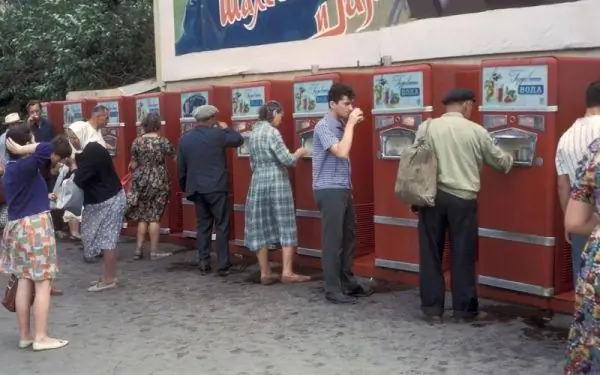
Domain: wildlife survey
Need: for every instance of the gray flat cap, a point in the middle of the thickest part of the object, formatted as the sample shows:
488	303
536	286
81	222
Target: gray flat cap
204	112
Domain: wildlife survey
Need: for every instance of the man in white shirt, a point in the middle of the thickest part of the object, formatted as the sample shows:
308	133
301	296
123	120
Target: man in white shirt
572	147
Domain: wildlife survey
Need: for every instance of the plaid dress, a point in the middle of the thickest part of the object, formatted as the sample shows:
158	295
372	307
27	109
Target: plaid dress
270	217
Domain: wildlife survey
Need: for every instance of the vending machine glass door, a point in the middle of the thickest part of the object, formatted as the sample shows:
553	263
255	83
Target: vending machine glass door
306	140
244	128
519	143
394	141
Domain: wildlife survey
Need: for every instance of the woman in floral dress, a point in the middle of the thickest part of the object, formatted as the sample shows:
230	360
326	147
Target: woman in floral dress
270	216
150	185
581	217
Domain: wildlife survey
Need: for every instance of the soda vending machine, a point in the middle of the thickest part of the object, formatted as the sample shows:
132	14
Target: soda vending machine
71	111
167	105
220	97
311	105
527	104
403	99
120	130
246	100
52	112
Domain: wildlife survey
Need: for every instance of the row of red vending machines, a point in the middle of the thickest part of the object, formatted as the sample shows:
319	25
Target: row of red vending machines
525	104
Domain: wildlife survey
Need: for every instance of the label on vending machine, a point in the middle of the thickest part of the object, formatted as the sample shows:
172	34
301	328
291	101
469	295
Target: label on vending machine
311	97
191	101
515	86
113	112
398	90
246	101
72	112
144	106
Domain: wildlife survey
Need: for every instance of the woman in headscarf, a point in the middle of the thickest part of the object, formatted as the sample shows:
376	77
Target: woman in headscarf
103	201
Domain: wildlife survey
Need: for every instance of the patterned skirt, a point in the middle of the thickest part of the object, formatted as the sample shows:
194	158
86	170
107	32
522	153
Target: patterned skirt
101	225
29	248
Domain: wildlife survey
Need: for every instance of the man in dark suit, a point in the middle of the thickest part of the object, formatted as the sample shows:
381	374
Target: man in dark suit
203	176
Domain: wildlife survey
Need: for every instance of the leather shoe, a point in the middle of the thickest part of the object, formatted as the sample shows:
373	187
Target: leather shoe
340	298
204	267
360	291
230	269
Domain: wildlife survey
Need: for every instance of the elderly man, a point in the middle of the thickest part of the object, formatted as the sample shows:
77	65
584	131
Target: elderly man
203	176
10	120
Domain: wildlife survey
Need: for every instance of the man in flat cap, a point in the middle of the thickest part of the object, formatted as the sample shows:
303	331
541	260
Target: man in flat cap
461	147
203	176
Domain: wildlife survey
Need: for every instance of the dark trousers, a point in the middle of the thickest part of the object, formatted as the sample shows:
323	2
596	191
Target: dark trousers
459	216
212	210
338	222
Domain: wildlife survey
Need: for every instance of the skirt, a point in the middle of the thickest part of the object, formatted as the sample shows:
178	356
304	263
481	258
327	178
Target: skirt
101	225
29	248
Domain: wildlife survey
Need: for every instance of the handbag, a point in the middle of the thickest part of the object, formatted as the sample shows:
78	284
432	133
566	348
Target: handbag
10	294
70	197
416	181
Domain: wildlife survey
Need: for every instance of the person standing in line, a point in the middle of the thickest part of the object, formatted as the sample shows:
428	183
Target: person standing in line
332	189
461	147
270	215
10	121
203	176
572	147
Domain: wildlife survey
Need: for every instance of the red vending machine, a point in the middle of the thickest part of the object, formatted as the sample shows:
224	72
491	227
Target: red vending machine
120	131
527	104
72	111
246	100
220	97
52	111
167	105
404	98
311	104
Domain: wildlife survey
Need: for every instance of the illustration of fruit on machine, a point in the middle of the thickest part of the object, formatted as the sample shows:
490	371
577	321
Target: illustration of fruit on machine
303	101
384	94
496	90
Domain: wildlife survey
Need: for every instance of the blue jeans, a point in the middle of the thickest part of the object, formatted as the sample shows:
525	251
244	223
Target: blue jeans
578	242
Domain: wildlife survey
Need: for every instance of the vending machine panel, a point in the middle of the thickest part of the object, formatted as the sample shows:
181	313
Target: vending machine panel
519	143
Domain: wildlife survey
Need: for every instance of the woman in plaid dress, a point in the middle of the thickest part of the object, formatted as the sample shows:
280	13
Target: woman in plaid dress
270	215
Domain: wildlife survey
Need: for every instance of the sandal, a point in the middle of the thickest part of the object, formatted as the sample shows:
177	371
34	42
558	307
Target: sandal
138	255
270	279
294	278
92	283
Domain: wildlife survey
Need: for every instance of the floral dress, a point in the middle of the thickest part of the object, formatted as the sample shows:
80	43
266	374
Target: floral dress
583	349
150	184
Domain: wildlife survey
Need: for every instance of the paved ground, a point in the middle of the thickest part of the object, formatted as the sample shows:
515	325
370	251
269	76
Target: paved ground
166	319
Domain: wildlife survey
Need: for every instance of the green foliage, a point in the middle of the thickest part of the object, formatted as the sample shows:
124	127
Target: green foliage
50	47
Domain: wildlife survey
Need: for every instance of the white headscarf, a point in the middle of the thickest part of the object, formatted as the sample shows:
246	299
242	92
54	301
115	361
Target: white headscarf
86	134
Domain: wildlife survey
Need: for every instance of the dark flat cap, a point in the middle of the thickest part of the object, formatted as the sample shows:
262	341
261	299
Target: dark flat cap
458	96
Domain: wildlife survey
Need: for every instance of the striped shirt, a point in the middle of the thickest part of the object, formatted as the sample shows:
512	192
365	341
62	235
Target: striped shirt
573	145
329	171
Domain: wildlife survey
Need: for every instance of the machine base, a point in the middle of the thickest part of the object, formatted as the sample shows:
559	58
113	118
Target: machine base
192	234
165	231
315	253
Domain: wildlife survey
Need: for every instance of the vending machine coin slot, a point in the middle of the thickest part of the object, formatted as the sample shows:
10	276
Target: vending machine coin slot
519	143
394	141
306	140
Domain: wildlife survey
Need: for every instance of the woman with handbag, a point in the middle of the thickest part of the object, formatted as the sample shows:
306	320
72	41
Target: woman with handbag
28	243
103	202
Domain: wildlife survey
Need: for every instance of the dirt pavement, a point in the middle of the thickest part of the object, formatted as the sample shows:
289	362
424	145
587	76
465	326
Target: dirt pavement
166	319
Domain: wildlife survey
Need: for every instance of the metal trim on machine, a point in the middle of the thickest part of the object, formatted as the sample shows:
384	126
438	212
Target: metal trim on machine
395	265
483	232
165	231
393	111
308	213
501	108
308	115
535	290
244	118
188	234
239	207
186	202
309	252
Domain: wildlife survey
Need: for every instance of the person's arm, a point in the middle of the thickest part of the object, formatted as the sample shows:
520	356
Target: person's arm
493	155
580	216
281	152
563	182
168	148
181	169
38	152
232	138
340	148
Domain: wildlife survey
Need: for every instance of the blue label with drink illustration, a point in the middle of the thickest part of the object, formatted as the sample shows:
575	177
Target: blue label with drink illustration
515	86
144	106
398	90
113	112
311	97
72	112
247	101
191	101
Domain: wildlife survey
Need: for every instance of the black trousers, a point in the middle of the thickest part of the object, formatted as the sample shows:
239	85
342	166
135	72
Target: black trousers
338	223
459	216
212	210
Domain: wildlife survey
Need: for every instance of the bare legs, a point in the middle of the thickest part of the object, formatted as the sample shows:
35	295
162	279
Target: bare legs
41	308
153	230
267	276
109	266
74	229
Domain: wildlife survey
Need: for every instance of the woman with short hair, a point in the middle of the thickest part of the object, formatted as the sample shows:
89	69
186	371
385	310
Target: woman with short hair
269	215
150	184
